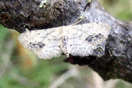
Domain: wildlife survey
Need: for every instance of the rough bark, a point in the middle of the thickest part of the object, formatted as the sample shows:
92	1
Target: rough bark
114	62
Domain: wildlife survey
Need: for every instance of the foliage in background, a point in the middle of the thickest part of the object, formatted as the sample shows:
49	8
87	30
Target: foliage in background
120	9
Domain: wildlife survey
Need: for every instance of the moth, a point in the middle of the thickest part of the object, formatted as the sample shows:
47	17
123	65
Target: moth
75	40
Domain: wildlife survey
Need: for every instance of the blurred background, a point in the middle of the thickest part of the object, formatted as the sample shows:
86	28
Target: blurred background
20	68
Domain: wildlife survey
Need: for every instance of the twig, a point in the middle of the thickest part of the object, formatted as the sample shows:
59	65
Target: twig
72	72
6	57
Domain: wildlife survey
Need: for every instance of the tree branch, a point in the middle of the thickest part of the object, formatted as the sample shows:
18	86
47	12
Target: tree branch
114	62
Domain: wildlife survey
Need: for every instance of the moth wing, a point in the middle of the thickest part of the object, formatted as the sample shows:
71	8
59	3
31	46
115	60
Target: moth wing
83	39
44	43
